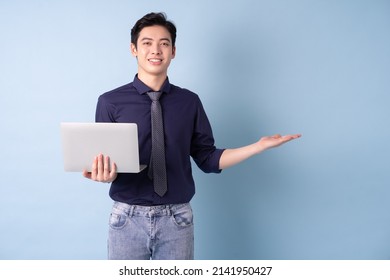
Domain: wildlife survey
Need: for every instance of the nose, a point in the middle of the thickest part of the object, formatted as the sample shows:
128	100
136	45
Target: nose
156	49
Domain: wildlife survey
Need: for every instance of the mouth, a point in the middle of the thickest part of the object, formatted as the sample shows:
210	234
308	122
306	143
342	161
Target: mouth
155	60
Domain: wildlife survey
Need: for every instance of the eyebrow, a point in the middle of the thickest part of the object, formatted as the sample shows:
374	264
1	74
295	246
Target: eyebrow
162	39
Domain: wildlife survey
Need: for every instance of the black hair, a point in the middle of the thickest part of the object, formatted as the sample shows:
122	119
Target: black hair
152	19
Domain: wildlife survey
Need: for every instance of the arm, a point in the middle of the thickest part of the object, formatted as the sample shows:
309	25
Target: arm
232	157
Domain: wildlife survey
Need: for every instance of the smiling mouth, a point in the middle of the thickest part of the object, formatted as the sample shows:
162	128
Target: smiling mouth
154	60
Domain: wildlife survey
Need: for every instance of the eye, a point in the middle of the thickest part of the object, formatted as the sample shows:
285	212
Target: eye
165	44
146	43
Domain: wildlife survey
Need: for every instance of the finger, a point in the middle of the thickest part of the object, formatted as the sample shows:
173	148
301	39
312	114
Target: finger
287	138
113	172
94	170
87	174
106	168
100	170
113	168
293	136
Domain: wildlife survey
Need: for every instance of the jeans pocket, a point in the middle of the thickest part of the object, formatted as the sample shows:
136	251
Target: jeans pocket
117	221
183	216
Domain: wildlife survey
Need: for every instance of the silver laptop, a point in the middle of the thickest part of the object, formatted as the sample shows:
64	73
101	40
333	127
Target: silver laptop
82	142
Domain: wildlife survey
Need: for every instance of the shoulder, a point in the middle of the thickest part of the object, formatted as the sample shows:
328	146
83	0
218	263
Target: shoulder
118	92
184	93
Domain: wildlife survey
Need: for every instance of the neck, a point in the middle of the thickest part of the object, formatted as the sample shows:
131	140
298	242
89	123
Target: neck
154	82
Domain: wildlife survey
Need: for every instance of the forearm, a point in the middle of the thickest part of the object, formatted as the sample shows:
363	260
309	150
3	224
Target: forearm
232	157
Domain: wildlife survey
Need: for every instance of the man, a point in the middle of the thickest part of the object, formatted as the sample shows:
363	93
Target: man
146	223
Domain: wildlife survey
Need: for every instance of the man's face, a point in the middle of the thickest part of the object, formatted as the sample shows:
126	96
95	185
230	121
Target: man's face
154	51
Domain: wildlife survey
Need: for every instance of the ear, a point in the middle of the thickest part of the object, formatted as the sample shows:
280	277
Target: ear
173	52
133	50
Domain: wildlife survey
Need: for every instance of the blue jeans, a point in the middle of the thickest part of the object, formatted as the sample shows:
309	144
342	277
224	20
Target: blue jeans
164	232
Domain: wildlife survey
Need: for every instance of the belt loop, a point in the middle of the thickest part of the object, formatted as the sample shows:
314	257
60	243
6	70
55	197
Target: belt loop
169	212
131	213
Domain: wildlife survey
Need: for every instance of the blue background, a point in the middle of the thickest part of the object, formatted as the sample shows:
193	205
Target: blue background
320	68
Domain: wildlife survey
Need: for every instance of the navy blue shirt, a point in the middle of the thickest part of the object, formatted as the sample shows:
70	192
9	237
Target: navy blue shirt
187	133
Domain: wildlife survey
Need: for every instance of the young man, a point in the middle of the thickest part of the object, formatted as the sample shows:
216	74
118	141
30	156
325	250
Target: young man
146	223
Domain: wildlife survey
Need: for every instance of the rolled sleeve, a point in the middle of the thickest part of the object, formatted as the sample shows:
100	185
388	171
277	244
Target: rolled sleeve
203	149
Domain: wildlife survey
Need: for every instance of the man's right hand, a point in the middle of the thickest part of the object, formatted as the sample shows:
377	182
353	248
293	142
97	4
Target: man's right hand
101	171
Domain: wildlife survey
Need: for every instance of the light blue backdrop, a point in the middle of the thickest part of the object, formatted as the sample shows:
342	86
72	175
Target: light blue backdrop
320	68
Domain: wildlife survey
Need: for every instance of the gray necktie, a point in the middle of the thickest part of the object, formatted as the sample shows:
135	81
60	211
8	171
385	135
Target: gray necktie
157	169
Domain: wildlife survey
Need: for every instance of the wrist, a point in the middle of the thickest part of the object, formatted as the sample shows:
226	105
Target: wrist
258	148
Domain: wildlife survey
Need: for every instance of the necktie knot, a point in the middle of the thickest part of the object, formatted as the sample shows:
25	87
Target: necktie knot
154	95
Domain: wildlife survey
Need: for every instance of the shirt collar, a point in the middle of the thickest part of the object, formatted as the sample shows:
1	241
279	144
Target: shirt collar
142	88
